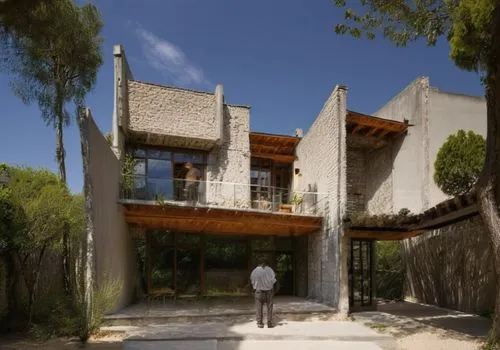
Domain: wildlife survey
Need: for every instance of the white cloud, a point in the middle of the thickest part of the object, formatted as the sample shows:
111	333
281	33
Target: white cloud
169	59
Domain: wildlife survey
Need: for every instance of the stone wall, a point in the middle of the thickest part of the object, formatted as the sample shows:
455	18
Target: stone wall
321	159
451	267
114	254
229	165
356	180
176	112
379	192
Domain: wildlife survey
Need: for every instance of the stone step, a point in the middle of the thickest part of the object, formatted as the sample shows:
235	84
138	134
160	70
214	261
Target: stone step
215	344
155	318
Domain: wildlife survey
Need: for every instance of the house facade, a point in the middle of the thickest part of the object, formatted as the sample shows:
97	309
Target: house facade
203	196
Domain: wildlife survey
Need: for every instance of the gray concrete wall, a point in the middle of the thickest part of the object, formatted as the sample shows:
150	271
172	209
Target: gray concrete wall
176	112
322	163
229	165
410	176
449	113
114	254
451	267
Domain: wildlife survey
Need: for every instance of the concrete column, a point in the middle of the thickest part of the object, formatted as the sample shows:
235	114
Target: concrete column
219	112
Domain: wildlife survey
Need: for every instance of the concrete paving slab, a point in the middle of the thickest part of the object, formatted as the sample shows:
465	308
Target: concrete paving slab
171	345
295	345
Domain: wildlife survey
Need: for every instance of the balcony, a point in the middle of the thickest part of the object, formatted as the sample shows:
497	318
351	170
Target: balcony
224	195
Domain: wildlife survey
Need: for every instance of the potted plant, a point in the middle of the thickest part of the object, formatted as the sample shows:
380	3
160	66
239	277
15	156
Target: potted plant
296	200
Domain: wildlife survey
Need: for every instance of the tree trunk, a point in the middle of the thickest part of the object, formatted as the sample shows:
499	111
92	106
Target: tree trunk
488	188
61	161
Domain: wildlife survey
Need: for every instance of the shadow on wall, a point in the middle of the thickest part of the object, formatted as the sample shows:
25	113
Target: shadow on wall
379	167
451	267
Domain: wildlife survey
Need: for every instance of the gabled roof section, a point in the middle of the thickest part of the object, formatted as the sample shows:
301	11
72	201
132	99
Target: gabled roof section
372	132
280	148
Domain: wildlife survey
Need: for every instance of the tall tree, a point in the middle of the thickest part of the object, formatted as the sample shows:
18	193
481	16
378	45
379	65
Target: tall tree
56	65
472	28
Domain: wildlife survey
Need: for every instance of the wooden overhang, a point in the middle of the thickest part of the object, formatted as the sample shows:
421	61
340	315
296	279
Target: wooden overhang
280	148
219	221
445	213
364	130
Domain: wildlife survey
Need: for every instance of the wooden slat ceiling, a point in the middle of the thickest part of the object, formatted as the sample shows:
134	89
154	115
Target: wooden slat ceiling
219	221
277	147
372	132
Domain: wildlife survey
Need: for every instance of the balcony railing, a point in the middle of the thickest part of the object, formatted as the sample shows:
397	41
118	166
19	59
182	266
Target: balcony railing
224	195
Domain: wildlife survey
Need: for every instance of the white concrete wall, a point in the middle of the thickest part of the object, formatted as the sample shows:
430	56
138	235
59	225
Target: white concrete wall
172	111
410	174
433	115
449	113
322	163
114	251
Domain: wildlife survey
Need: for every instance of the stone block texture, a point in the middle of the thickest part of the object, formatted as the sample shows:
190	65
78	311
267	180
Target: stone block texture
451	267
379	192
356	180
114	254
173	112
321	160
228	171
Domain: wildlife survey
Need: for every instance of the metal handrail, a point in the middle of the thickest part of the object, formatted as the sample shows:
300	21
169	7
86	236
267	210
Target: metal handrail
223	194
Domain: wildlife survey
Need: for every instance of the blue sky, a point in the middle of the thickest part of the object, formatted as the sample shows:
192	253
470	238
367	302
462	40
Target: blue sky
280	57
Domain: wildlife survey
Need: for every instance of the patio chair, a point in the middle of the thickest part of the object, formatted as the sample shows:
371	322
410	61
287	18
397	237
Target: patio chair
161	293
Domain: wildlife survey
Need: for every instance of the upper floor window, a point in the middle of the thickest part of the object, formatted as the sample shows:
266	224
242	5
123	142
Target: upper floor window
163	172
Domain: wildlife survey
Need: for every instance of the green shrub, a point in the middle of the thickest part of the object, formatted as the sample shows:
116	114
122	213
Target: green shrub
459	162
389	271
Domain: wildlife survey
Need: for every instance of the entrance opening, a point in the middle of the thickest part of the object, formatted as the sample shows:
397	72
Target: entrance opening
360	267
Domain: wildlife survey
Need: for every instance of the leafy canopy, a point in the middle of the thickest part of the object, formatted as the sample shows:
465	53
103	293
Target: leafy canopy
59	63
467	24
35	207
459	162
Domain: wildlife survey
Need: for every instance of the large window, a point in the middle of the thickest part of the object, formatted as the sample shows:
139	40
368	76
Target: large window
162	172
270	181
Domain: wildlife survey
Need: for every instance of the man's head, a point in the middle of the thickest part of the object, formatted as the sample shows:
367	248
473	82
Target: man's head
188	165
263	261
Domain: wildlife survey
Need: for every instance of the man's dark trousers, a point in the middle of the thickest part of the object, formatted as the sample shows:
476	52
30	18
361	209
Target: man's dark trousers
264	297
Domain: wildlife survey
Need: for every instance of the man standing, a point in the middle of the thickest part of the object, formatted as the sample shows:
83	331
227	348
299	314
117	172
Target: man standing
193	178
263	280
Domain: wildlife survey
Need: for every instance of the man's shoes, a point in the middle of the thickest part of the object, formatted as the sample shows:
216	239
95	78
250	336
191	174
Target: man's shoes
260	325
270	325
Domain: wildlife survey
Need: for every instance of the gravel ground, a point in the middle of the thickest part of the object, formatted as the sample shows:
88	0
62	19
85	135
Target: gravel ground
436	341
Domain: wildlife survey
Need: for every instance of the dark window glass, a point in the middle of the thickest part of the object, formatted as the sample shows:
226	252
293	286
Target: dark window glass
159	169
140	167
188	158
159	154
139	152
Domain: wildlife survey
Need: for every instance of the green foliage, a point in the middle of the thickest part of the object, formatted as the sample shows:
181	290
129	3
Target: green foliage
90	312
128	168
389	271
109	138
467	24
459	162
297	199
57	63
403	218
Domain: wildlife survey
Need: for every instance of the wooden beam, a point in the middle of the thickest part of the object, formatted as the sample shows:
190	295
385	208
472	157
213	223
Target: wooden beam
382	134
282	158
357	129
382	235
372	132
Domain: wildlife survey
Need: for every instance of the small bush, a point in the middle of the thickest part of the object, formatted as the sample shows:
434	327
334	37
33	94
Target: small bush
389	271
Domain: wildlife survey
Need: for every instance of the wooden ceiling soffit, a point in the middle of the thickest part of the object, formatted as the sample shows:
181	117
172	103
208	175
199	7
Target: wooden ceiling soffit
369	126
223	221
277	147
